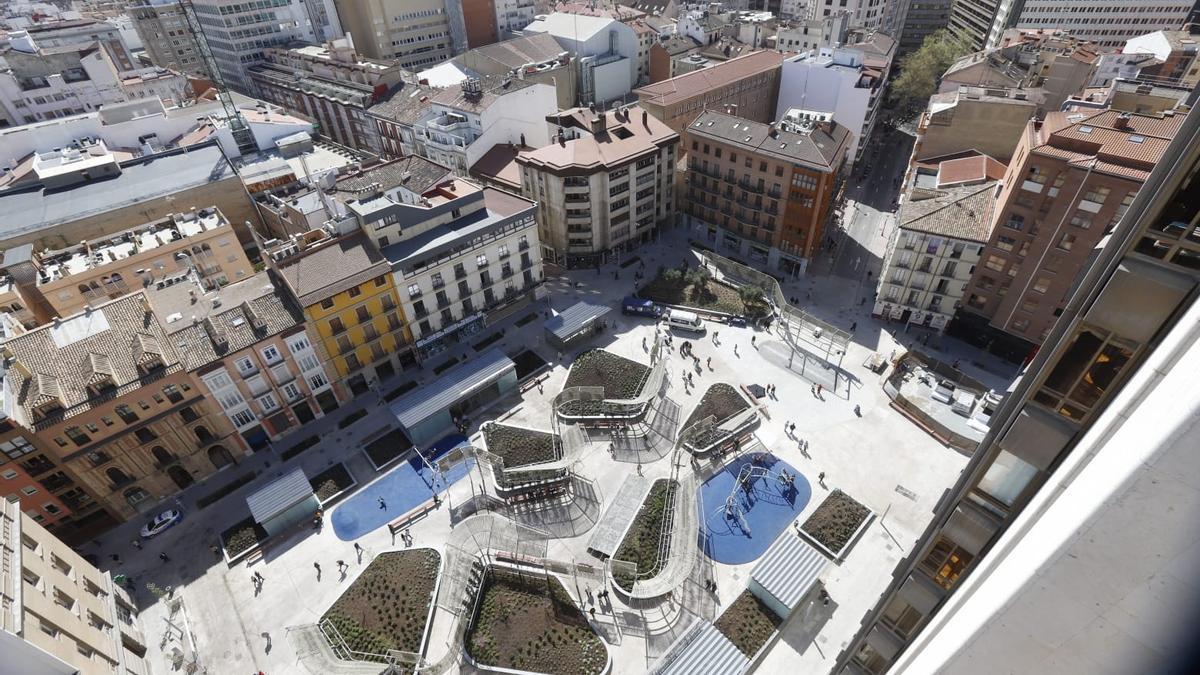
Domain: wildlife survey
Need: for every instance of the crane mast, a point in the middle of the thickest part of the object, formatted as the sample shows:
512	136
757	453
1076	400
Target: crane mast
237	124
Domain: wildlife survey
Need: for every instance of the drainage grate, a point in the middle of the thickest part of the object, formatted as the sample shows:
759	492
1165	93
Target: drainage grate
906	492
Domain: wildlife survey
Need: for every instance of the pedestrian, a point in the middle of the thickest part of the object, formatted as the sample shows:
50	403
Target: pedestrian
215	551
716	336
735	352
357	547
341	565
317	565
709	364
382	504
138	544
819	388
787	428
821	478
164	557
853	325
592	611
793	427
754	341
639	468
260	577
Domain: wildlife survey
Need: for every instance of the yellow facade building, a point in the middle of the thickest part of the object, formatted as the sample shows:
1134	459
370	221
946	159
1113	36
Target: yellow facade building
346	289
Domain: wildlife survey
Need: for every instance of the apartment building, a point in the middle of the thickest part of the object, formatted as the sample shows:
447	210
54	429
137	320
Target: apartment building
41	83
462	256
607	53
748	85
537	57
1073	177
1053	61
987	120
82	32
415	33
945	221
512	16
765	192
604	186
248	345
479	21
981	21
1176	54
665	55
924	18
237	32
127	421
1108	23
845	82
1038	534
808	34
330	84
869	14
345	287
66	205
454	126
30	478
61	614
165	36
198	244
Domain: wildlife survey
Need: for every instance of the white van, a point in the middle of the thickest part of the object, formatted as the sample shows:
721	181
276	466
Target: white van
678	318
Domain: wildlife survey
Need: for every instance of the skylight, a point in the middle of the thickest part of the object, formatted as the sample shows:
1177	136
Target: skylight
1136	139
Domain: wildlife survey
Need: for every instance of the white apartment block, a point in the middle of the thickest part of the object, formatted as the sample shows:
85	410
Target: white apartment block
605	185
512	16
833	81
1108	23
932	254
869	14
237	31
38	83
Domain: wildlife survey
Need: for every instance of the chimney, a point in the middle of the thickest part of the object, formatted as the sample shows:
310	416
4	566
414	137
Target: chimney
1122	121
599	123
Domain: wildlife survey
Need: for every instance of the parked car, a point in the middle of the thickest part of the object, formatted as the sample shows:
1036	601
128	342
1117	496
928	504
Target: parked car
162	522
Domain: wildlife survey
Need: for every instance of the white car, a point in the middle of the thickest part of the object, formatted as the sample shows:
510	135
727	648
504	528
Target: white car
161	522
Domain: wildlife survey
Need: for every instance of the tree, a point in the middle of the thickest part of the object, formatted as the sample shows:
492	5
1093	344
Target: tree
921	70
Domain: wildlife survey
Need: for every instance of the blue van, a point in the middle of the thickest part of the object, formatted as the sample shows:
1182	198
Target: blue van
640	306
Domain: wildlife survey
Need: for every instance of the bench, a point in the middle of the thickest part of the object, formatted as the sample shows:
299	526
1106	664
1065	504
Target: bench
410	517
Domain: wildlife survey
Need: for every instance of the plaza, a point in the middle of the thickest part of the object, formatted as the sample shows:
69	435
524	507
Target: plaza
228	623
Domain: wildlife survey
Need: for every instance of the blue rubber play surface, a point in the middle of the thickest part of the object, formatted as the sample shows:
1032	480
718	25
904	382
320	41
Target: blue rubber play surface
403	489
740	532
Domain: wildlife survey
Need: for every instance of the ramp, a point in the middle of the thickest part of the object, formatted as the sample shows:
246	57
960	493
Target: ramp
619	516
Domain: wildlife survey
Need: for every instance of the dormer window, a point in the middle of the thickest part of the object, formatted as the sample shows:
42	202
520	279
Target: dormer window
98	374
147	353
45	395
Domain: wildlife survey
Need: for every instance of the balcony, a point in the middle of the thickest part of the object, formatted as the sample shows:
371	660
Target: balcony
460	273
420	312
774	194
523	246
438	283
57	481
443	303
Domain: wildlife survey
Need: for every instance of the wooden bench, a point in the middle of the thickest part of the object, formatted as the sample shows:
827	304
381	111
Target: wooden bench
411	517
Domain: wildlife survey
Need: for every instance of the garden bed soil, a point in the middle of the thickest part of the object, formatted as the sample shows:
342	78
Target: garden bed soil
331	482
518	447
640	545
242	536
388	447
351	418
748	623
835	521
530	623
621	378
721	401
388	605
528	362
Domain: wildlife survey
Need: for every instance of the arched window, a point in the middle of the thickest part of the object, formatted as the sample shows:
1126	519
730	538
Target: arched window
204	435
117	476
161	455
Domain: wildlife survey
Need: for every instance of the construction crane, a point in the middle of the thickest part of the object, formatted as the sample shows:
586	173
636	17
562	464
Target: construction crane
237	124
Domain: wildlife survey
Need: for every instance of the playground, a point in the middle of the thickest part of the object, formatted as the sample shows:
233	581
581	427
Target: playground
404	488
747	504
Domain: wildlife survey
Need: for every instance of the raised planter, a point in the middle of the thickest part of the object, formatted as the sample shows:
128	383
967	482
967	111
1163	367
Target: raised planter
721	402
640	543
836	524
241	539
332	483
387	448
519	446
388	605
528	623
749	624
620	377
713	296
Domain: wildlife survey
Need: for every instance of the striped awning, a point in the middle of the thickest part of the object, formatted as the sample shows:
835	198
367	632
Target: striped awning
702	649
789	569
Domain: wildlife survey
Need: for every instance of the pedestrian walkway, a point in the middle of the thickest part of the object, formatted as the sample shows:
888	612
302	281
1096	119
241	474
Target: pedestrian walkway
619	516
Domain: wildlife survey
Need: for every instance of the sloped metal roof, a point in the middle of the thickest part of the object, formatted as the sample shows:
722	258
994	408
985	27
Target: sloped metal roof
789	568
279	495
455	384
702	649
575	318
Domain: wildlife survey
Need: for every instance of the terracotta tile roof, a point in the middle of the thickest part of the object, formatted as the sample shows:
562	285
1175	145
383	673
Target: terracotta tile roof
58	360
969	170
1126	144
963	213
822	148
624	139
414	173
248	312
500	164
328	268
696	83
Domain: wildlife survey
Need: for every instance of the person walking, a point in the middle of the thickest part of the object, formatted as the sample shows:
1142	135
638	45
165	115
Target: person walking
164	557
821	478
342	565
382	504
137	544
317	565
358	547
735	352
819	388
709	363
754	341
260	577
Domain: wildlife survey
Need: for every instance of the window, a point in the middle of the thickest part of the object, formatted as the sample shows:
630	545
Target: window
271	354
945	562
362	314
242	417
1097	194
414	290
77	436
126	414
1015	221
145	435
1081	220
298	344
1041	285
218	381
336	326
16	447
1084	373
245	366
1005	243
268	402
1066	242
291	391
308	362
316	381
1003	483
173	394
355	292
995	263
327	303
901	617
380	280
481	260
29	491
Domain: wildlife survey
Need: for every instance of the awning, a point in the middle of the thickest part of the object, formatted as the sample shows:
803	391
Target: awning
702	649
574	319
279	495
789	569
454	385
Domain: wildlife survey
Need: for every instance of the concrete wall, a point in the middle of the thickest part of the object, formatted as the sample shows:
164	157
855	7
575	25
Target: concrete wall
812	86
991	127
522	112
